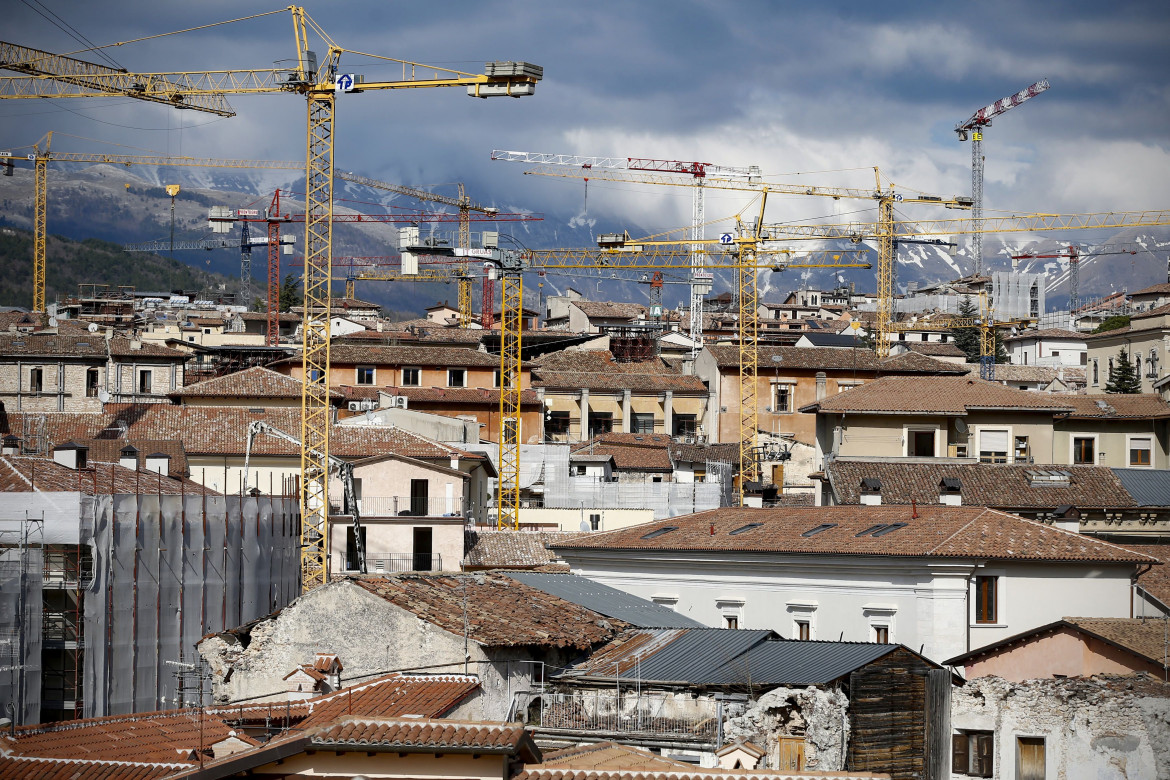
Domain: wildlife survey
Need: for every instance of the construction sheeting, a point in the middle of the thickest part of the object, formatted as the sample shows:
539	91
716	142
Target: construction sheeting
21	567
169	570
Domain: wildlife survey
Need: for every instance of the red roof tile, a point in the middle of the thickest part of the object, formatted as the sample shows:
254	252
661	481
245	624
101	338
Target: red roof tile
20	474
596	369
780	359
938	395
430	735
82	345
1156	581
512	549
1138	406
394	695
258	382
937	532
500	612
36	768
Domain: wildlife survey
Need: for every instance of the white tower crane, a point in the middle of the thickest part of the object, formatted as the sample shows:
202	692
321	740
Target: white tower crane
973	128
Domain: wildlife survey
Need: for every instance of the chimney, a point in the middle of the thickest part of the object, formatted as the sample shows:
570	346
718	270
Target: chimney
71	455
871	491
950	491
128	457
821	392
159	463
11	445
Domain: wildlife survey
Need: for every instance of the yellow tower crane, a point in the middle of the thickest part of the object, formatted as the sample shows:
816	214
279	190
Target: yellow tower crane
319	82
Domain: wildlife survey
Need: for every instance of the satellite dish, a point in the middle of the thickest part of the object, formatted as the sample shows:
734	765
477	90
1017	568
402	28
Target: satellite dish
104	396
960	425
585	526
52	322
92	327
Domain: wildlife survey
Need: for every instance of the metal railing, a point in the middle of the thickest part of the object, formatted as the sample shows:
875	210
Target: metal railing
395	563
407	506
647	715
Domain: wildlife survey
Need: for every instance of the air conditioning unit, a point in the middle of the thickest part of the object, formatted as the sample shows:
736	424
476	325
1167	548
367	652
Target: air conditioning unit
400	401
355	406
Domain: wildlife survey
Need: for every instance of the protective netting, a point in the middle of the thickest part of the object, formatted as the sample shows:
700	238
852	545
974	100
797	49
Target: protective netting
21	566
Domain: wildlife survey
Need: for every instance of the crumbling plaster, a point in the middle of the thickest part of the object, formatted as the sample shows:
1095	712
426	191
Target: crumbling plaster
819	715
1093	729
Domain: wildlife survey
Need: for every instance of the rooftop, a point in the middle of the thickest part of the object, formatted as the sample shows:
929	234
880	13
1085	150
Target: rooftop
605	600
21	474
1141	406
962	532
938	395
1049	334
258	382
1145	638
82	345
512	549
833	358
596	369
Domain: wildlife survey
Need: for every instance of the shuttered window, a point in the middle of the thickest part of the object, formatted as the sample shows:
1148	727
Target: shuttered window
993	446
972	753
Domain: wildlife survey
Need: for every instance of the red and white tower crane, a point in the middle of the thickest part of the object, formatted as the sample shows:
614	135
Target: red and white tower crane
973	128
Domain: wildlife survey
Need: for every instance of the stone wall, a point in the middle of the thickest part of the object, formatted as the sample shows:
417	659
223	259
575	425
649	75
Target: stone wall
1101	727
819	715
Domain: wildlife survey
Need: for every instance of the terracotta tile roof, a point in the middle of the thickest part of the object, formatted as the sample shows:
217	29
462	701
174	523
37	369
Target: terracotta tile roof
81	345
630	451
59	426
1156	312
259	316
541	772
394	695
36	768
1050	334
501	612
513	549
612	756
1003	486
610	309
44	475
427	735
223	430
596	369
257	382
937	532
701	453
832	358
1007	372
1156	581
110	451
1140	406
168	737
421	331
938	395
1146	638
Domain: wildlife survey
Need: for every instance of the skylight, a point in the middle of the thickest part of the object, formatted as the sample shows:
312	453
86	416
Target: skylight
660	531
871	530
745	528
818	529
890	528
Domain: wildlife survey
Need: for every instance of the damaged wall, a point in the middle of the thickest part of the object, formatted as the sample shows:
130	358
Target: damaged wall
1108	727
370	635
818	715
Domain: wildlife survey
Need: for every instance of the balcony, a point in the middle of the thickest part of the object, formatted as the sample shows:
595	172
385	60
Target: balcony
629	716
406	506
395	563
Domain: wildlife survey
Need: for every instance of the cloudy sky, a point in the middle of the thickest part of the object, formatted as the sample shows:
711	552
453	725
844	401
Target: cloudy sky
812	92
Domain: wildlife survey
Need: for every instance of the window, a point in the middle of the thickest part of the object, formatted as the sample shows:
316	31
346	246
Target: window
556	424
411	377
1140	451
986	608
92	379
456	377
600	422
1096	372
365	375
732	611
972	752
782	399
1021	451
802	630
1084	450
496	375
36	378
920	443
144	381
881	634
993	445
351	556
843	385
731	621
641	423
685	425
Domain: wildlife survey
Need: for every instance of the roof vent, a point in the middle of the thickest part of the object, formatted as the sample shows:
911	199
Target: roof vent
1049	477
660	531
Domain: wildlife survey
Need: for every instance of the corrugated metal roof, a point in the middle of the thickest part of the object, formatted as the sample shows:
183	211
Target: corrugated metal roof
726	657
605	600
1149	487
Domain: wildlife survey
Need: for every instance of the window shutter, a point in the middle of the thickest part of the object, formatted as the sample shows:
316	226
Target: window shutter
993	441
984	746
960	758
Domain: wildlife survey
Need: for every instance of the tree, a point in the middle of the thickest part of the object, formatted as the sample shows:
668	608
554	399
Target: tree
290	293
1115	322
967	338
1124	378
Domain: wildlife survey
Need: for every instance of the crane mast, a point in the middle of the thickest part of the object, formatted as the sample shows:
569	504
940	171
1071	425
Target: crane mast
973	127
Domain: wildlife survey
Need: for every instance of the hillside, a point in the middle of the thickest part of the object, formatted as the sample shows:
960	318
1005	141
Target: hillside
70	263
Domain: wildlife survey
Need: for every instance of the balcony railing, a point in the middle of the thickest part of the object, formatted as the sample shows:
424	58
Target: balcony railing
407	506
398	562
646	715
